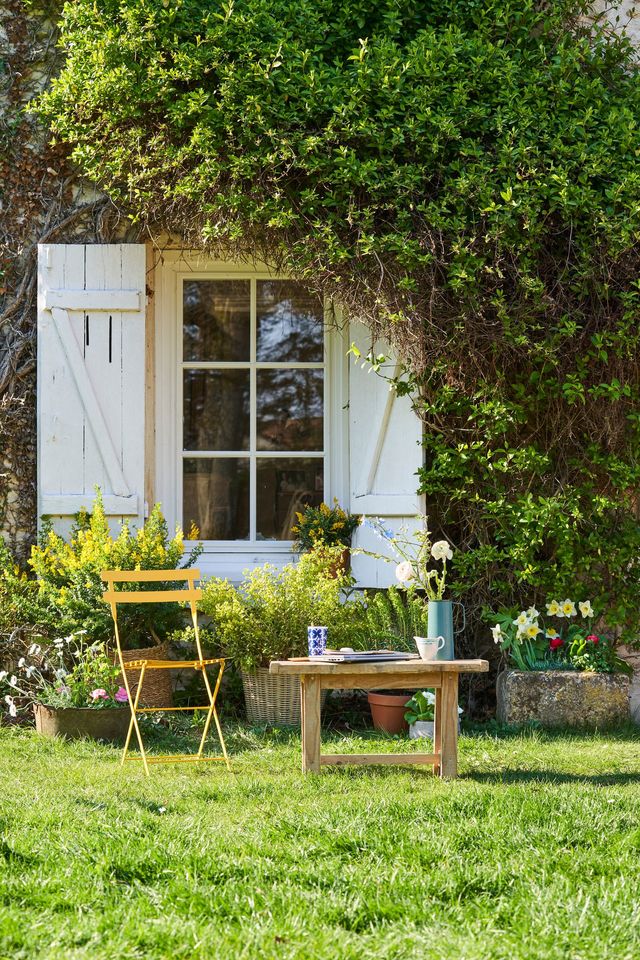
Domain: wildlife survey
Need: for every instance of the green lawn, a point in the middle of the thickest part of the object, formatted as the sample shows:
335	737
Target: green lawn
533	853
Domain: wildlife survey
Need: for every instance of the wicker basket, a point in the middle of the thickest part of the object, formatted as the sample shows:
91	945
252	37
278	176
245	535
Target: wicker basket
157	690
271	698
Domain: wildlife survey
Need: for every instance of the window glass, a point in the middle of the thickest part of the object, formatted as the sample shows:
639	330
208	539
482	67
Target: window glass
215	496
216	409
283	487
289	409
216	320
290	322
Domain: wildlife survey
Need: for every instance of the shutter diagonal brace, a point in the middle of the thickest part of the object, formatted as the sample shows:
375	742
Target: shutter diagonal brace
95	418
381	435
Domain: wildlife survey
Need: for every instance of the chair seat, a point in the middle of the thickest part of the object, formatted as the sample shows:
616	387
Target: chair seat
170	664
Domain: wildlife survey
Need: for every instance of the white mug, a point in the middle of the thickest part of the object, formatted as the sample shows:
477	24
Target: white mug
429	648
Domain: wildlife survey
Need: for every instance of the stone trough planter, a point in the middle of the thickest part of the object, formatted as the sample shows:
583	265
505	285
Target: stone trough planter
563	698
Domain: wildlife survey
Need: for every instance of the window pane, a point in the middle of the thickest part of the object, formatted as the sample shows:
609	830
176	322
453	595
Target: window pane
289	409
216	320
290	322
216	409
216	497
284	487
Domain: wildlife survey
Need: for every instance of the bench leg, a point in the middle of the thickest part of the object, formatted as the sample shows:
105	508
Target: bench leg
310	724
449	726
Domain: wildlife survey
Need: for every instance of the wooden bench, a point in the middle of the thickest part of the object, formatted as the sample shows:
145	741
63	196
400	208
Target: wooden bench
441	675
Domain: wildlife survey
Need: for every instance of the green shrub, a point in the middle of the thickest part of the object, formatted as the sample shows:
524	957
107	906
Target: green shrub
70	587
267	616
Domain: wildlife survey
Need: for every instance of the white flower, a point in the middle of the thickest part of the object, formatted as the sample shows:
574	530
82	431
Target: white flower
29	672
553	609
12	707
497	633
586	609
429	696
21	662
533	630
13	682
441	550
35	650
551	634
61	673
522	620
404	571
3	674
532	613
58	643
568	609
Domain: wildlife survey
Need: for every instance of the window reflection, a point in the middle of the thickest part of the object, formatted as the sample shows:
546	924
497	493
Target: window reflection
216	409
216	320
289	322
216	497
289	409
284	487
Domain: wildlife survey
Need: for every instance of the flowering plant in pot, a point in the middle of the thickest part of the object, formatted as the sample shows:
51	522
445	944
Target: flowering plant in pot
562	638
422	564
72	687
420	714
324	526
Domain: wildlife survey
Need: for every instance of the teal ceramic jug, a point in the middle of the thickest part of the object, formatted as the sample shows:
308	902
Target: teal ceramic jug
440	624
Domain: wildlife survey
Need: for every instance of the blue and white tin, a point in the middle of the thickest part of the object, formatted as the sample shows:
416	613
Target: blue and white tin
317	638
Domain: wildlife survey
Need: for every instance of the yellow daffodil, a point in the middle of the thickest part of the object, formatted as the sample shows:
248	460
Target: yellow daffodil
522	620
533	630
568	609
553	609
586	609
552	634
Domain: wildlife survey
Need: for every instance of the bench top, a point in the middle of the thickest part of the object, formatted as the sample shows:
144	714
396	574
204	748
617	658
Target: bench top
305	666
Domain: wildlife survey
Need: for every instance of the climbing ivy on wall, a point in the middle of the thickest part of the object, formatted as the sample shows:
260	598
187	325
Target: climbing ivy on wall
464	175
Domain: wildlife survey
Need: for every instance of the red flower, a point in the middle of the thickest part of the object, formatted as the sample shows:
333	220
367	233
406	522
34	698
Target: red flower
593	638
555	643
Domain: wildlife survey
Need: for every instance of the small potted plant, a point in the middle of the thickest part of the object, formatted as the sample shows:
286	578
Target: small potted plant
420	714
325	526
72	687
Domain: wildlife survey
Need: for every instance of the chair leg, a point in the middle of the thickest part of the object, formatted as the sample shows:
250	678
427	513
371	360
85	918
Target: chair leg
134	719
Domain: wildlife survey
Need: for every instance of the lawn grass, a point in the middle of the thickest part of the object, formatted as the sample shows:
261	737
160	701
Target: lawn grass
532	853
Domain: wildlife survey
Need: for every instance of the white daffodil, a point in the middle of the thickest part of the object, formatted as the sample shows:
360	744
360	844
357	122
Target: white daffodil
533	630
568	608
586	609
551	634
533	614
404	572
522	620
497	633
554	609
441	550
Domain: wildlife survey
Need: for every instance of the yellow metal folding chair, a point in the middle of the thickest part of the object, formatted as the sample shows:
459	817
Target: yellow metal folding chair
191	595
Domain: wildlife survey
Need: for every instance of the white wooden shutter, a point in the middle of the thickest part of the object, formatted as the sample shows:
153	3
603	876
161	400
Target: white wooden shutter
91	363
385	441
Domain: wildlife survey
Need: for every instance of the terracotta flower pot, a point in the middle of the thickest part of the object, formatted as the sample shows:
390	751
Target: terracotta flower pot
387	711
75	723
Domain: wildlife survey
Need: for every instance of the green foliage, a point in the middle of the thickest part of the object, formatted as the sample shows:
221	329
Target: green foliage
421	706
267	617
70	587
463	175
324	525
392	618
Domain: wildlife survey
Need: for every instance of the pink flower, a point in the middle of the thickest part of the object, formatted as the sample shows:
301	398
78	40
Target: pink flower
556	643
593	638
99	694
121	695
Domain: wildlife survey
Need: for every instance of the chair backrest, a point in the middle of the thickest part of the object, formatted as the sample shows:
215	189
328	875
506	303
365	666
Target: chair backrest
111	577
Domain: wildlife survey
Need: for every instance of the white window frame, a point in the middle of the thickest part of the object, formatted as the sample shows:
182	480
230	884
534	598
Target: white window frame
229	558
